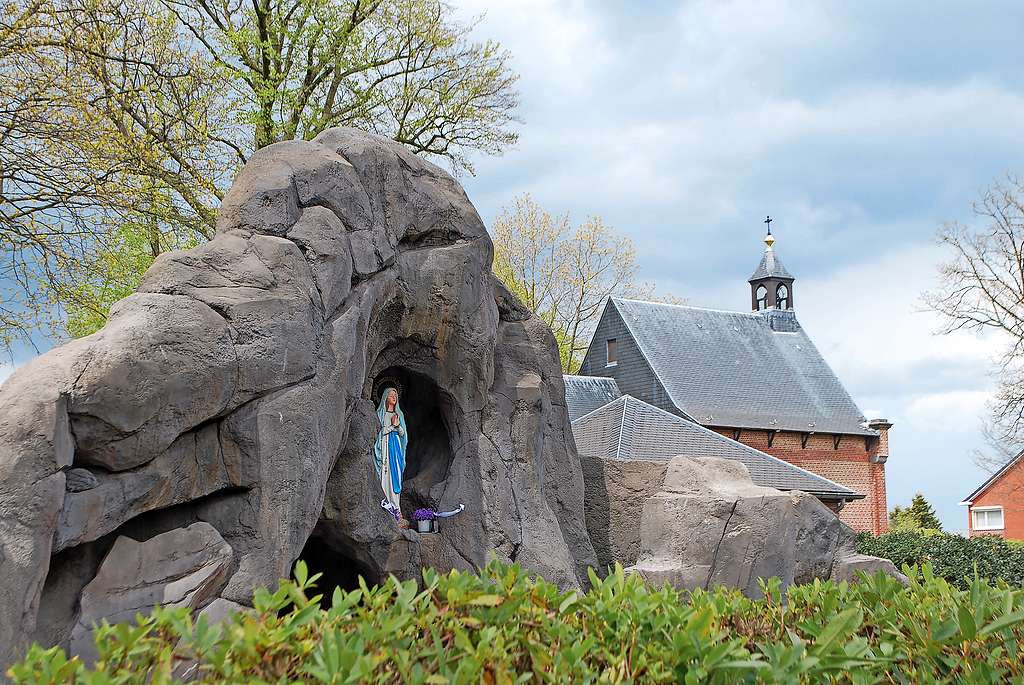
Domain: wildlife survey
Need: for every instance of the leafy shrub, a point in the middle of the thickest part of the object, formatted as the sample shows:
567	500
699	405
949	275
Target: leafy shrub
952	557
503	627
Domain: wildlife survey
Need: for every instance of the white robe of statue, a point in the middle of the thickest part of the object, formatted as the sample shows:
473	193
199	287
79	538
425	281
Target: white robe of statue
389	450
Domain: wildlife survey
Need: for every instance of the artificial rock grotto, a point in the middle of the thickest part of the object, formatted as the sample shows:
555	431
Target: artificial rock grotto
220	425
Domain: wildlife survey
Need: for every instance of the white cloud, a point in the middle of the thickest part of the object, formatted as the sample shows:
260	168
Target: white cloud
869	318
557	47
956	410
742	43
694	119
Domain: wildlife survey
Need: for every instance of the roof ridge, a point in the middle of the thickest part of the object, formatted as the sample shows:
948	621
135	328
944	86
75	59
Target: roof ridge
755	315
597	409
622	425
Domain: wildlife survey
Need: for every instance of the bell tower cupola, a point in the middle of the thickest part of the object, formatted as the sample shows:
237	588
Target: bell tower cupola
771	286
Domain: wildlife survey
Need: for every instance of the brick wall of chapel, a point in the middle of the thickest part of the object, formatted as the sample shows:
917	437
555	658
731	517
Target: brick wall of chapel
1008	493
849	465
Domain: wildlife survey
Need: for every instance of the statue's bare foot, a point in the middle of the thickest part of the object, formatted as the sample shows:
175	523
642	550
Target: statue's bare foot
403	523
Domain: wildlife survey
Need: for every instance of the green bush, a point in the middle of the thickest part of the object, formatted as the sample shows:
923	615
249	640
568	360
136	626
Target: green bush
503	627
952	557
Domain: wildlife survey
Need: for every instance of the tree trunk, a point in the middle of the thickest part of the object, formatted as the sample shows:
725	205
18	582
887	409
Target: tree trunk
265	124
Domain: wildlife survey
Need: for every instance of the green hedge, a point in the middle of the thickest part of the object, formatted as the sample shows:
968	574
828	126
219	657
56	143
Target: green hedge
503	627
952	557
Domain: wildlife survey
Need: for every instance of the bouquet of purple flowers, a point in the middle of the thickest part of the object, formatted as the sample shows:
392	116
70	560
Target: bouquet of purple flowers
426	519
424	515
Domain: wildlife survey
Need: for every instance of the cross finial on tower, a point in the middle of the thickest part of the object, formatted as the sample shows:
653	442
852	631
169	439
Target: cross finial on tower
769	240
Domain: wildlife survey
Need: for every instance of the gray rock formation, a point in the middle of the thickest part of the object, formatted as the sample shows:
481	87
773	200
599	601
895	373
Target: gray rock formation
616	491
850	565
183	567
234	391
710	525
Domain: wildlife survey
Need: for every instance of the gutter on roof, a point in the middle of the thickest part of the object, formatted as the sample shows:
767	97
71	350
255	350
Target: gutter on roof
868	432
837	498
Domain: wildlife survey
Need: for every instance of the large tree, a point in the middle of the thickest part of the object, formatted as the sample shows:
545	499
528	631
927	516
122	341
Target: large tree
564	274
123	121
982	289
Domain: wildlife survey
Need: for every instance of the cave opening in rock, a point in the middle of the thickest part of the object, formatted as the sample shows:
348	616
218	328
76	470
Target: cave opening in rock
429	456
338	569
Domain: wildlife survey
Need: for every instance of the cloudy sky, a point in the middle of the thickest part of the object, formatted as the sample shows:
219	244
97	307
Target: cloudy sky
859	127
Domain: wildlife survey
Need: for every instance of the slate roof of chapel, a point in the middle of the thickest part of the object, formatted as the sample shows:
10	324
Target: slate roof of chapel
770	267
628	428
733	369
584	394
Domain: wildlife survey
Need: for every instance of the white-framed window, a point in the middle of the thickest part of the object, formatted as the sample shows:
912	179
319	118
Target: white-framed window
987	518
611	352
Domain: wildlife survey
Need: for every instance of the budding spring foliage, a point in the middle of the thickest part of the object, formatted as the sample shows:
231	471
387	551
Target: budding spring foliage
564	274
122	123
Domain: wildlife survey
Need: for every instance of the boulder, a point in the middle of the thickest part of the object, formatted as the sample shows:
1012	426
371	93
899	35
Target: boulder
220	610
36	447
534	509
183	567
195	465
850	566
616	491
236	389
710	525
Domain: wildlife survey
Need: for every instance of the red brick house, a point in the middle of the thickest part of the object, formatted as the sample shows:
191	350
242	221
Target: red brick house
997	507
755	377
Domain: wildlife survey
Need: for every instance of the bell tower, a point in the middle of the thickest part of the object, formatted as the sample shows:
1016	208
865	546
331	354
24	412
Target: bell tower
771	286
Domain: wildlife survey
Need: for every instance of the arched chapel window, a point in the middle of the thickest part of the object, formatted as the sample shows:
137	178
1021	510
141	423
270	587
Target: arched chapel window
762	298
782	297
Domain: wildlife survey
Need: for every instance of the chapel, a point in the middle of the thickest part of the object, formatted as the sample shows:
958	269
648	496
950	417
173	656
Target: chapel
753	377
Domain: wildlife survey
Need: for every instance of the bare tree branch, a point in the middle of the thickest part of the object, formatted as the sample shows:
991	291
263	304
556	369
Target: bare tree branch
982	288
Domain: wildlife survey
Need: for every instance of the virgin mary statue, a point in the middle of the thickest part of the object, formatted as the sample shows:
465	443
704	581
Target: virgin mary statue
389	450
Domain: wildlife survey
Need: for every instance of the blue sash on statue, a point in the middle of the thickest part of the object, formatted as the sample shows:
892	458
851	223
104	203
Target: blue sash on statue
396	460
